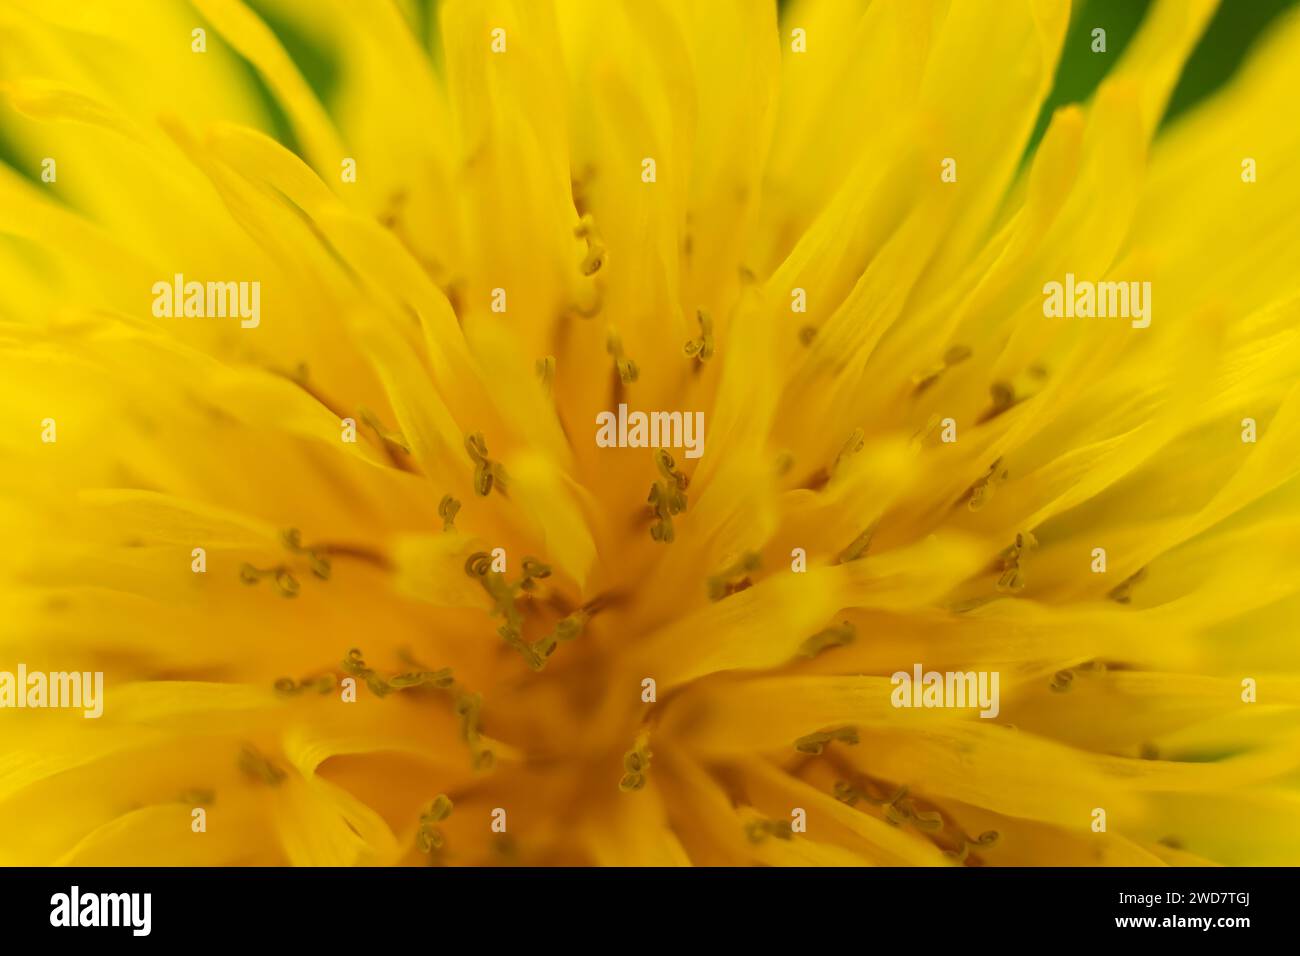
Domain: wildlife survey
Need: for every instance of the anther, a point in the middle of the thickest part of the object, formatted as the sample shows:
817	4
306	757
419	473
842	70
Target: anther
469	707
429	837
979	493
285	582
987	838
1012	578
448	508
701	349
759	830
855	443
439	679
924	379
320	565
288	687
486	471
595	257
545	368
816	743
667	497
1122	593
371	421
566	629
257	766
1003	396
845	792
858	546
627	369
834	636
724	583
534	570
636	764
355	665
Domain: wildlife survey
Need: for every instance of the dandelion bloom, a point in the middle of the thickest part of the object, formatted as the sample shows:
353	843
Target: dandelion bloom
310	312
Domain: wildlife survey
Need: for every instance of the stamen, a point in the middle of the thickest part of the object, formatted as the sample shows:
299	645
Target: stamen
513	637
439	679
503	596
855	444
1122	593
285	582
396	439
595	257
566	629
845	792
320	565
356	666
759	830
928	820
827	638
899	794
970	604
578	187
1012	579
448	508
898	809
534	570
288	687
1061	681
545	368
816	743
721	585
627	369
1003	395
469	707
979	493
486	472
926	430
857	548
987	838
701	349
255	765
636	764
667	497
924	379
429	838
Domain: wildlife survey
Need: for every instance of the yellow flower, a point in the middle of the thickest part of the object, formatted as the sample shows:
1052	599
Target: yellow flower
473	633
